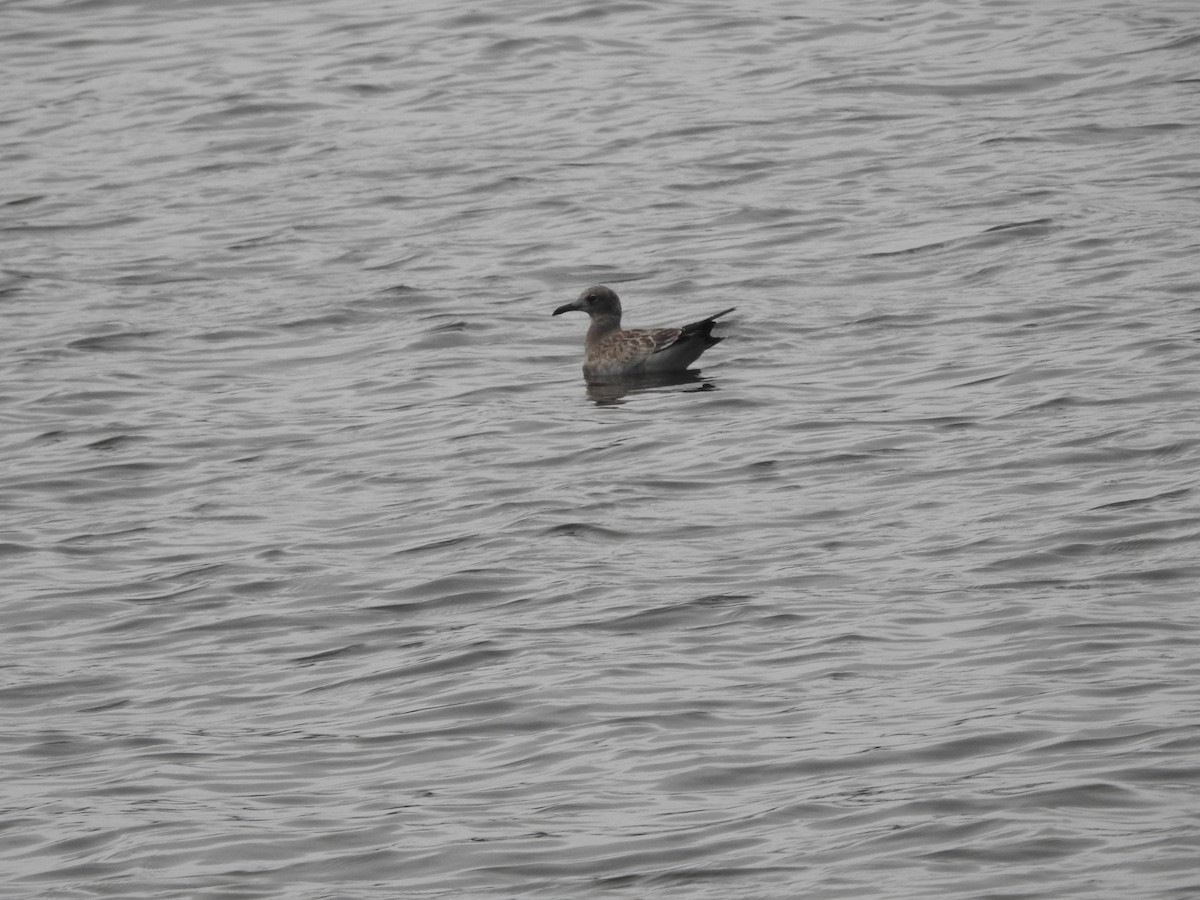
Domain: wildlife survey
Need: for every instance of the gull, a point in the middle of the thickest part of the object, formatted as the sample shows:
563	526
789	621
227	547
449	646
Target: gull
613	353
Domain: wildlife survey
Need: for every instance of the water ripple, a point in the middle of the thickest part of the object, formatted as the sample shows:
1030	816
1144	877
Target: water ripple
325	574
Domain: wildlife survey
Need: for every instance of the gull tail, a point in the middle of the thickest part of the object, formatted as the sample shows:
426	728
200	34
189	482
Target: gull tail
689	343
702	331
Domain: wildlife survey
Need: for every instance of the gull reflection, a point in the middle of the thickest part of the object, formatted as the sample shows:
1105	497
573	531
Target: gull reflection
614	392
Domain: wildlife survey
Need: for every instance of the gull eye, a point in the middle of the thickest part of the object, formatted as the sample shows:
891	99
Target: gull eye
591	298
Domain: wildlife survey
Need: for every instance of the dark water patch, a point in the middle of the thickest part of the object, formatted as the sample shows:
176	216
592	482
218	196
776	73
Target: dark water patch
327	655
584	531
156	277
24	201
231	335
997	235
696	613
440	545
1008	851
113	223
113	341
340	318
116	441
1154	499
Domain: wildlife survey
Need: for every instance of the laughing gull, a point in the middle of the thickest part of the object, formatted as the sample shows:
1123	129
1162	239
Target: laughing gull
612	353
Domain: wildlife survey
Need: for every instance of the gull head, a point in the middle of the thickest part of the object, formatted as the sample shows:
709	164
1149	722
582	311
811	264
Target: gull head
598	301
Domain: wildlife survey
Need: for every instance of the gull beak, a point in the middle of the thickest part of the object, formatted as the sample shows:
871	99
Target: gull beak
567	307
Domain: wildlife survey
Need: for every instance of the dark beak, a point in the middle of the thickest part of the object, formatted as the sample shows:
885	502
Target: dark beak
566	307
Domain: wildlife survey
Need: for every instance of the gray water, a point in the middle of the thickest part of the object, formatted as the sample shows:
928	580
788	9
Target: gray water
324	575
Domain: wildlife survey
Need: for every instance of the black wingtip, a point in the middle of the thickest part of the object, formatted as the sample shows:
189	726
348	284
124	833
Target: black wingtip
705	326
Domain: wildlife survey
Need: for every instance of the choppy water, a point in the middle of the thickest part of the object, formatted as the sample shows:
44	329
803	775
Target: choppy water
322	575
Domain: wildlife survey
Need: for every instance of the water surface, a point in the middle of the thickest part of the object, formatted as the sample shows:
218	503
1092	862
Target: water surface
324	574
